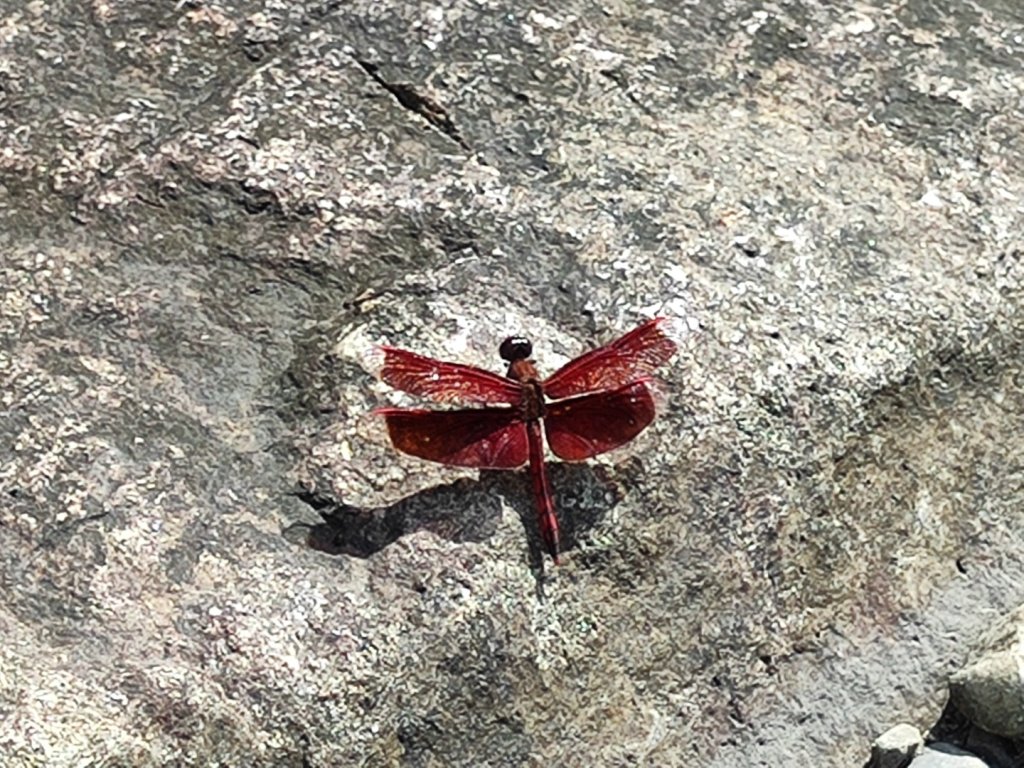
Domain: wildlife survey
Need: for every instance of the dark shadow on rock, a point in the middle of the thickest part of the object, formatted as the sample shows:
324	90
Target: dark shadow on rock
953	727
459	511
466	510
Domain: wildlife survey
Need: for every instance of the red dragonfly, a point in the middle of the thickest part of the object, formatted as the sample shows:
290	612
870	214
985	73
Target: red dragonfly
590	405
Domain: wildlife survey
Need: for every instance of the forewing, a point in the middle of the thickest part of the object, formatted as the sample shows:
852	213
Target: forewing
587	425
631	357
444	382
471	437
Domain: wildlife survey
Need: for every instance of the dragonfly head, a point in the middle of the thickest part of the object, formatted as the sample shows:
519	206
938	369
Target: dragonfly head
515	348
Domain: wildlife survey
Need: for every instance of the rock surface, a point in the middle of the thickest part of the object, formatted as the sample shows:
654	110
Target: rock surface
941	755
990	689
208	209
896	747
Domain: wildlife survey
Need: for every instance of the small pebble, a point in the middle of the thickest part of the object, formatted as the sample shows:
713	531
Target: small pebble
896	747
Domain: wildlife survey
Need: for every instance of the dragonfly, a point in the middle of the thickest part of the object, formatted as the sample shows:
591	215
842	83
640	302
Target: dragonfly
592	404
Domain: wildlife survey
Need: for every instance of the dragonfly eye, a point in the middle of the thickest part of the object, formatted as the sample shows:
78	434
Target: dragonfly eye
515	348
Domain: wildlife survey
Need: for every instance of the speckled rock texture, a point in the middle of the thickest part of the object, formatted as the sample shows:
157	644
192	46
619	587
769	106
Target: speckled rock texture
208	209
989	690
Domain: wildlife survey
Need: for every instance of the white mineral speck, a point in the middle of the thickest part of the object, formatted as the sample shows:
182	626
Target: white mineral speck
931	198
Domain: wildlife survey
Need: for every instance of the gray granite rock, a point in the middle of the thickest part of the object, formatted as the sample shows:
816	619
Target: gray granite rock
896	747
990	688
207	554
941	755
